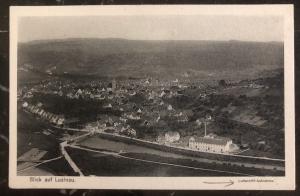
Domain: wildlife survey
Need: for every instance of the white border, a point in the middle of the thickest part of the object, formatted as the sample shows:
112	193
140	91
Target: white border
184	183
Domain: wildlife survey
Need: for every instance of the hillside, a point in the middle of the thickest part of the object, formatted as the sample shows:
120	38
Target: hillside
115	57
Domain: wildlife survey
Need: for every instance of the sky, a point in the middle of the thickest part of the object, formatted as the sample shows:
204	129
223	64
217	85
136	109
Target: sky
175	27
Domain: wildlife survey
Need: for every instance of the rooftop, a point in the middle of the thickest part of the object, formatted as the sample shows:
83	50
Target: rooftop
217	140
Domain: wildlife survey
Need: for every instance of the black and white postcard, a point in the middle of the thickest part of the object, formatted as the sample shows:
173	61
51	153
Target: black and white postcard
152	97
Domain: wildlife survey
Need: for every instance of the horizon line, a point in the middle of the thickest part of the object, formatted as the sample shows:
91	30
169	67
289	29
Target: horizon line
116	38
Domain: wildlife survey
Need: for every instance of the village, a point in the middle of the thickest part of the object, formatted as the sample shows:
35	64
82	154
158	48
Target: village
135	108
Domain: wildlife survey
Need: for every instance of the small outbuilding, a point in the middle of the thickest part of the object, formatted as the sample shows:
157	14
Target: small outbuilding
172	136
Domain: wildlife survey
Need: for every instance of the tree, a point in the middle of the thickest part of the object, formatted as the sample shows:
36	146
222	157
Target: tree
222	83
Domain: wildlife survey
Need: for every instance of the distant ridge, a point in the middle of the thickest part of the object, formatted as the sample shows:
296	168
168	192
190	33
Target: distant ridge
174	58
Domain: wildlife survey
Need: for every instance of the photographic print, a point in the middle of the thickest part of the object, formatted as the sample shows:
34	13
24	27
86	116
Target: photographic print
184	97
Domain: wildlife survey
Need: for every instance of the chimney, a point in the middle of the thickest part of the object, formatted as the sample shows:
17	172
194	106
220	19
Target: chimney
204	128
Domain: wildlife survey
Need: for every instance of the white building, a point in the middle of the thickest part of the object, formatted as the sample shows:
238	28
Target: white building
60	121
162	94
79	92
211	143
108	106
133	117
25	104
172	136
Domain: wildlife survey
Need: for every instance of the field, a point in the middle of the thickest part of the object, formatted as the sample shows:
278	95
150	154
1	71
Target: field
138	153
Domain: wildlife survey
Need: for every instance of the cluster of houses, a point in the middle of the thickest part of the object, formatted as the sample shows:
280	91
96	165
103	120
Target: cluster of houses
50	117
104	93
111	126
144	101
150	111
109	90
249	84
128	131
